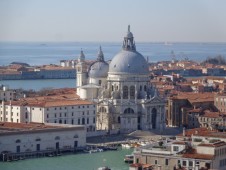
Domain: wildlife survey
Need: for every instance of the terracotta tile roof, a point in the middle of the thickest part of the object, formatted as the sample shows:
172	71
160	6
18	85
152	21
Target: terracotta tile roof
195	97
190	132
203	132
198	156
54	98
217	144
50	102
195	110
210	114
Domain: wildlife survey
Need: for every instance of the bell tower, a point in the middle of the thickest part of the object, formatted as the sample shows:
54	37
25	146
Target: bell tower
81	72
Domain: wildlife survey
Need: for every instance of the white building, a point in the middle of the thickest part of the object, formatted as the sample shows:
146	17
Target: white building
60	109
6	94
23	139
126	100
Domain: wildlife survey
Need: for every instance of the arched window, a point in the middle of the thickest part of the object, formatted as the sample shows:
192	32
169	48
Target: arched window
60	121
99	82
57	138
145	88
119	119
83	121
128	110
75	136
18	141
125	92
132	92
154	117
103	110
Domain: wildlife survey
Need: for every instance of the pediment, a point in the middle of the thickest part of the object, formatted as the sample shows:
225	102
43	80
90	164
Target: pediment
155	100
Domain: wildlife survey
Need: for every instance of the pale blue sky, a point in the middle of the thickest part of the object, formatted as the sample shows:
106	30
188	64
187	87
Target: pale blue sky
107	20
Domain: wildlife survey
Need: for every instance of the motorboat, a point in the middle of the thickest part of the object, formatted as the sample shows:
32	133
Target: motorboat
128	158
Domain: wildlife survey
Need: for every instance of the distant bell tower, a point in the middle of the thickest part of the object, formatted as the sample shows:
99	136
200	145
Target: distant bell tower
81	72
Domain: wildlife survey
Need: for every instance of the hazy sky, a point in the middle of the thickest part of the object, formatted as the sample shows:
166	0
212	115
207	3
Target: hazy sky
107	20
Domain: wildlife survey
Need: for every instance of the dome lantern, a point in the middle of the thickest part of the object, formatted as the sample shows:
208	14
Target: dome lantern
81	57
100	55
129	43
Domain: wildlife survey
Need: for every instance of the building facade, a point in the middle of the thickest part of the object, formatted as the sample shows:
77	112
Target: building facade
19	138
50	110
126	100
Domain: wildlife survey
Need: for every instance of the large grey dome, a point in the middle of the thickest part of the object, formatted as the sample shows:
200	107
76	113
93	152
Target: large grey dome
129	62
99	69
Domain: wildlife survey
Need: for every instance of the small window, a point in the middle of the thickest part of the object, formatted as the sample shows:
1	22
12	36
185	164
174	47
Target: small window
38	139
190	163
166	161
78	121
94	120
18	141
156	162
145	88
175	148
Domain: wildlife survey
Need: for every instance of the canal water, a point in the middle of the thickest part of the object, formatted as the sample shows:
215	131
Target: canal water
113	159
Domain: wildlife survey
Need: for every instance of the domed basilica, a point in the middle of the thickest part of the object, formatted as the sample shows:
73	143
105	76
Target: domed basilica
126	100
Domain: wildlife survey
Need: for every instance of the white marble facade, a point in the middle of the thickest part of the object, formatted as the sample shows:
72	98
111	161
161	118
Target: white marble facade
126	100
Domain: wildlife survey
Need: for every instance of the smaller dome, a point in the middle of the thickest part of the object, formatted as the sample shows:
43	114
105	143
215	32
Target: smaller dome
99	69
